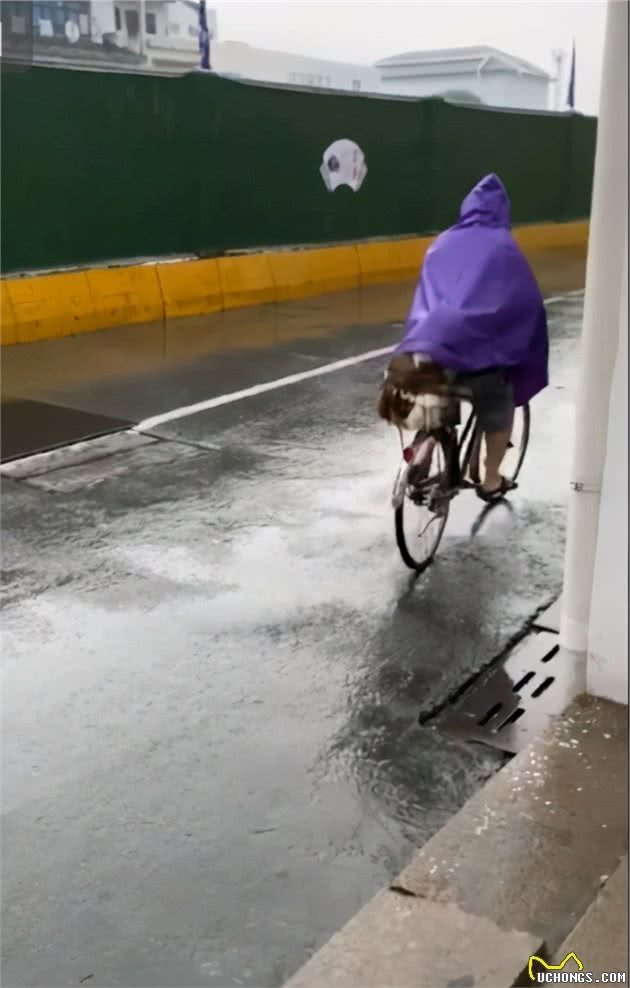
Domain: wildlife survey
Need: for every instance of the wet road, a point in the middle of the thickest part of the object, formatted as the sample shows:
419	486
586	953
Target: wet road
214	667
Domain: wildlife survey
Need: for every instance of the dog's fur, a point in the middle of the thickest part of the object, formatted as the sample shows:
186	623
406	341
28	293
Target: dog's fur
415	393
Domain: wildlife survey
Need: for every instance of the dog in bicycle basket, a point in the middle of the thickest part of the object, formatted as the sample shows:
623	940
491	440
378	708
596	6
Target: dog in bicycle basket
416	394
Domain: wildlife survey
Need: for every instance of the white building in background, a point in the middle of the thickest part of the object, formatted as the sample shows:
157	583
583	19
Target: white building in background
164	32
480	75
237	60
159	36
162	37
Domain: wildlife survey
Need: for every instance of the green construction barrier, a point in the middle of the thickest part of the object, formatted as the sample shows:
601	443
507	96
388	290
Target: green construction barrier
99	167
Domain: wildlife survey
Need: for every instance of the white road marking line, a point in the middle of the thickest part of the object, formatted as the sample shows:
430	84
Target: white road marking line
283	382
258	389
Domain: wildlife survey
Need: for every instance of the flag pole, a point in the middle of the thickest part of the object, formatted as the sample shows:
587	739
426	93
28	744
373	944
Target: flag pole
204	38
571	89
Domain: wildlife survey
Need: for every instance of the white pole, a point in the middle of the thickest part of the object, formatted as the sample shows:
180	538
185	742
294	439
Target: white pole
600	331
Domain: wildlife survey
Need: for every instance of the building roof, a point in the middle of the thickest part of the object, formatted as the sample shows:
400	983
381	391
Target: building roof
477	56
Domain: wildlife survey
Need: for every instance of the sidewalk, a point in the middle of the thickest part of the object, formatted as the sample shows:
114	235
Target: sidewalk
511	875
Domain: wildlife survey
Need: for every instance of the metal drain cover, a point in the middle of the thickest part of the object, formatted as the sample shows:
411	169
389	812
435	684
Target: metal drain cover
30	427
514	700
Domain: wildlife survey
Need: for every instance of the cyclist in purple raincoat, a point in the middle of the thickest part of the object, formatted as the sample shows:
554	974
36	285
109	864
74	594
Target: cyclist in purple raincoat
478	312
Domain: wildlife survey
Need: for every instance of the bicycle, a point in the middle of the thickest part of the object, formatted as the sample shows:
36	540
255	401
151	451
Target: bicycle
435	467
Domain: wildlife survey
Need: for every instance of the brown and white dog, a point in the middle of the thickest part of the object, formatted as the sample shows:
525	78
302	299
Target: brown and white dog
415	394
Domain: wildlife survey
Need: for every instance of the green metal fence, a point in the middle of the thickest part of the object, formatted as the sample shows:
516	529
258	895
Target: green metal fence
99	166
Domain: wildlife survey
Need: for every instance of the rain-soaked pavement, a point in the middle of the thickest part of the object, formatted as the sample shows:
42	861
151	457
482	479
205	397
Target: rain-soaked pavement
214	664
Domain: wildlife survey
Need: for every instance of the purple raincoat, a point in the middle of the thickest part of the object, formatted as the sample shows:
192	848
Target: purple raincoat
477	305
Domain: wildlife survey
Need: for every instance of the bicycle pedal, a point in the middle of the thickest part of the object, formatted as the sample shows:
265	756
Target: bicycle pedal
440	501
418	498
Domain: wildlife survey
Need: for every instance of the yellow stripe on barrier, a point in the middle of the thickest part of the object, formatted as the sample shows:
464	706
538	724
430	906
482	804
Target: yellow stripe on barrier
49	306
289	274
395	260
539	236
304	273
246	280
8	328
127	295
52	305
190	288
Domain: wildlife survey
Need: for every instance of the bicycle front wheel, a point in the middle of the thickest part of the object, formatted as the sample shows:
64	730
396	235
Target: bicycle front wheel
421	516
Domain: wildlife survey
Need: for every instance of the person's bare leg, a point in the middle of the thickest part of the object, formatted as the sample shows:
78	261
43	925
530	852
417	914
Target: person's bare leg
496	448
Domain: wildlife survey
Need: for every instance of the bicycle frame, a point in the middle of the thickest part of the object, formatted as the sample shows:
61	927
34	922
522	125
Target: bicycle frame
456	468
470	432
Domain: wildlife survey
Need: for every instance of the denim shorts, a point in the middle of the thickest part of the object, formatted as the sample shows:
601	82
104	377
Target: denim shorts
492	398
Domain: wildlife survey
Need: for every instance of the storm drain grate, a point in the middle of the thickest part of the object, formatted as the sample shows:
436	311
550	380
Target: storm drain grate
514	700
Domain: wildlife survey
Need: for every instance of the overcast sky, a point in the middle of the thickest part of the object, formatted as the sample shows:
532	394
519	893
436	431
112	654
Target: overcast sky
366	30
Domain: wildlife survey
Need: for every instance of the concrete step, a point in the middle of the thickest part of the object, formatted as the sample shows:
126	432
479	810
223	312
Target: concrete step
600	939
508	877
400	941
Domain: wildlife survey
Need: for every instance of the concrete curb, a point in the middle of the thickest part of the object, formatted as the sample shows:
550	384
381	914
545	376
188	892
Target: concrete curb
421	944
602	933
508	877
49	306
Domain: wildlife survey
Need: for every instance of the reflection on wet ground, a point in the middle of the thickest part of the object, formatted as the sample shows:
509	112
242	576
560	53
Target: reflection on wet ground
214	667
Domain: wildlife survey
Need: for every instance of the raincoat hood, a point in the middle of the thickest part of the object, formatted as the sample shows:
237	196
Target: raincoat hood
477	305
487	204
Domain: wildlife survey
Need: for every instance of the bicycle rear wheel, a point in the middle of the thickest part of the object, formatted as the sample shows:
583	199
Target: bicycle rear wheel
421	516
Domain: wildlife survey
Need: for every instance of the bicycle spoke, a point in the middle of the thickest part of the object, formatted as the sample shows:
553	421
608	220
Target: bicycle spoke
428	524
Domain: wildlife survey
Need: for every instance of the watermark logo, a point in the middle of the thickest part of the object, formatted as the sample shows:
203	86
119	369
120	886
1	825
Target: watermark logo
542	973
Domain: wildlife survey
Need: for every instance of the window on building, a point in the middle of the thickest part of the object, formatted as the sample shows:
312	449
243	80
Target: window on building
118	19
356	85
51	19
42	23
132	23
18	23
150	23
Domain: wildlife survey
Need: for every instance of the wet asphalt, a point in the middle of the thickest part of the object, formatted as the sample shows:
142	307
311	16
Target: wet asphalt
215	662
